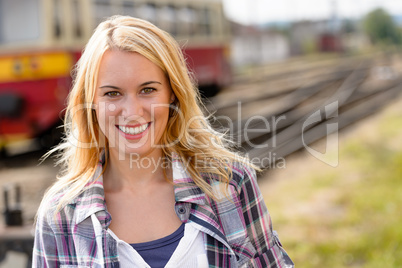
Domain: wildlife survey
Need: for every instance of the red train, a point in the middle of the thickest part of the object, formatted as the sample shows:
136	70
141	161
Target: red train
41	40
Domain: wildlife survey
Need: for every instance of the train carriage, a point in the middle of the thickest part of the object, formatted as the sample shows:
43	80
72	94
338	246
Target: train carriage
41	40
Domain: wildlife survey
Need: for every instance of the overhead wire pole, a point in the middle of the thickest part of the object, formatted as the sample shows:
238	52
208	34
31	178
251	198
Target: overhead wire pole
333	19
250	10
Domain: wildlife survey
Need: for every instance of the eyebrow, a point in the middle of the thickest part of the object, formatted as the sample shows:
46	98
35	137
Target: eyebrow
150	82
143	84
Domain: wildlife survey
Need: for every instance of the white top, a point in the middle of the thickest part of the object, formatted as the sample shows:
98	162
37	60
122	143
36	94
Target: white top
190	253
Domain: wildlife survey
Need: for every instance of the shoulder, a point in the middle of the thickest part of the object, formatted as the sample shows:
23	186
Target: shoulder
48	209
51	212
242	175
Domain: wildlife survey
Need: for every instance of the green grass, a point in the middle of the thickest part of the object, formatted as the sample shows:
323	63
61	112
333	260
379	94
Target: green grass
350	216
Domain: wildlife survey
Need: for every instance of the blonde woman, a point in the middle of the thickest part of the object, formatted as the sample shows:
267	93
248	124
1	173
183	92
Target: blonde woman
147	182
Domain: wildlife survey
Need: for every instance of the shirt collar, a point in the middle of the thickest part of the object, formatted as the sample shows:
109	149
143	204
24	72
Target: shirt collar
92	199
185	188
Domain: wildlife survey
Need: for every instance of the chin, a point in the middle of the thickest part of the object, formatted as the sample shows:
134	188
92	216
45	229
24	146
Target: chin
134	150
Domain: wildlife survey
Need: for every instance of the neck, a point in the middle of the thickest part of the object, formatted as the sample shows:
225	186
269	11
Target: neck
133	170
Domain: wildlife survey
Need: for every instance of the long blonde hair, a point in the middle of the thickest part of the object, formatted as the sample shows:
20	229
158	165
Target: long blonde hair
84	142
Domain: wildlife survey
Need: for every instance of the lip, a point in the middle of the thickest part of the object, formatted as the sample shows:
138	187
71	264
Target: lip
134	136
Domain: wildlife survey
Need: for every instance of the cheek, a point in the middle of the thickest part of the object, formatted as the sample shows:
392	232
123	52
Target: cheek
161	116
105	118
101	120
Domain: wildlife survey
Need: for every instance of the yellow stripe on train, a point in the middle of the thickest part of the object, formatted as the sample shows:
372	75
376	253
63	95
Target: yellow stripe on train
35	66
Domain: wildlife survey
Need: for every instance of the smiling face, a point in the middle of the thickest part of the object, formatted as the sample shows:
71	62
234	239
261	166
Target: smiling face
132	103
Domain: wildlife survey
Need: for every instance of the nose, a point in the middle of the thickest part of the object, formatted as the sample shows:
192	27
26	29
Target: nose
132	107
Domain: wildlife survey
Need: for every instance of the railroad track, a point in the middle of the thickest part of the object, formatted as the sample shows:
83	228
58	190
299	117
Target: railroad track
279	123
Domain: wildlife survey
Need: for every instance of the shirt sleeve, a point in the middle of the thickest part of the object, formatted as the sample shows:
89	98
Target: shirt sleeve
45	248
269	251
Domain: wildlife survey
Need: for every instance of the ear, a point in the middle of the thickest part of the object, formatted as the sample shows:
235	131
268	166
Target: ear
172	98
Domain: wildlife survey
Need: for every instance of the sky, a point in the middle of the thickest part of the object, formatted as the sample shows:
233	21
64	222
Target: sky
265	11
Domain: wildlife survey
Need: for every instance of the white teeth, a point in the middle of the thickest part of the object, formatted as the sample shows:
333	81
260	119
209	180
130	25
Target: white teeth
133	130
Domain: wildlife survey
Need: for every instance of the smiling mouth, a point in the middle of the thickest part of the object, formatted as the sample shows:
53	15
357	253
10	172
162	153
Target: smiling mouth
134	130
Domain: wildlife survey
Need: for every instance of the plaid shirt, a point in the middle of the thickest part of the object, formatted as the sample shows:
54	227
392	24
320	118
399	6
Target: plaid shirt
237	231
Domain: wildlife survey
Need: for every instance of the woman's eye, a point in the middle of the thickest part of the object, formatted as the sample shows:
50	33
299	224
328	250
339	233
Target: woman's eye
148	90
112	94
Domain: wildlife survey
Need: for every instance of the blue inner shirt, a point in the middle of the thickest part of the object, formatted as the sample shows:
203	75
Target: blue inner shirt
158	252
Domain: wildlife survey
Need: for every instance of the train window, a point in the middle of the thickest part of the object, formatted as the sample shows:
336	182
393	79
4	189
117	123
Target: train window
187	19
215	20
147	12
204	26
102	10
19	21
77	21
57	14
167	19
128	8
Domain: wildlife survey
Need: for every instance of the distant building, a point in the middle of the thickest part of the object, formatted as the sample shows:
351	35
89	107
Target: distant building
255	46
324	36
355	41
305	36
